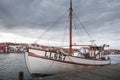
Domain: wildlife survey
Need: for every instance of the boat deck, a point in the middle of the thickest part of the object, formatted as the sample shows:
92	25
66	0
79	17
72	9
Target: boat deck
110	72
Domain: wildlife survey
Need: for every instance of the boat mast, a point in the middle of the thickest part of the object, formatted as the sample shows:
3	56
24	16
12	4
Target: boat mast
70	15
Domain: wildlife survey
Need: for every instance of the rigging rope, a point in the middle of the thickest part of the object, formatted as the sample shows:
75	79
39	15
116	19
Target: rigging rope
74	24
53	25
82	26
76	28
65	32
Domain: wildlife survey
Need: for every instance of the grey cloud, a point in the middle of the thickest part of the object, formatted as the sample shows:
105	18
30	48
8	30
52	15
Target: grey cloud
41	13
29	13
96	15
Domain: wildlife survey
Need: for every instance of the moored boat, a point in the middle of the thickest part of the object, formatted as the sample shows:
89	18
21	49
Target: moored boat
48	60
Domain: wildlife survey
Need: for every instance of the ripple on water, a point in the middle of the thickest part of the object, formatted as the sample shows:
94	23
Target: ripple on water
11	64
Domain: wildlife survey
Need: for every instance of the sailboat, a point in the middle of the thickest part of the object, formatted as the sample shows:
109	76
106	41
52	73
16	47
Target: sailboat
47	60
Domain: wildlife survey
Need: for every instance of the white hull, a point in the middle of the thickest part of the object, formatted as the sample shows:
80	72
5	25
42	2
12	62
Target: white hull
41	62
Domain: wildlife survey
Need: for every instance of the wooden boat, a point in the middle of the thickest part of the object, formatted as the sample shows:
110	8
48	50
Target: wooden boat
47	60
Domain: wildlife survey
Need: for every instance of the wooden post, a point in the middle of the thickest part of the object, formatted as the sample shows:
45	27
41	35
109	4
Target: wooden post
21	75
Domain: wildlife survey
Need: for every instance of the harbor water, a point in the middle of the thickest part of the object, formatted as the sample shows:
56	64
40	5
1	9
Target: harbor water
115	59
11	64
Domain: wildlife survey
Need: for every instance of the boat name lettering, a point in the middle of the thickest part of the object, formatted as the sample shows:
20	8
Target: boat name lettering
55	56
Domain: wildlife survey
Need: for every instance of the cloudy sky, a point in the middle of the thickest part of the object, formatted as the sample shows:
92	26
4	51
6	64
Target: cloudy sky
26	20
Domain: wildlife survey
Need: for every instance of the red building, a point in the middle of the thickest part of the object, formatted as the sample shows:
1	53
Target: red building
4	48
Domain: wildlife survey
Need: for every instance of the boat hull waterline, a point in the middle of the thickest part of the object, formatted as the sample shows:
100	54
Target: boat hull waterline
42	62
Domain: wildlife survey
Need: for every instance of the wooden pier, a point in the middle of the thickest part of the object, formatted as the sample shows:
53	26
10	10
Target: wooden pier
110	72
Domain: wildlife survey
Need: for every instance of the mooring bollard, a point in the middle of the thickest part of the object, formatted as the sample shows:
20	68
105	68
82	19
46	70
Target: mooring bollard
21	75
